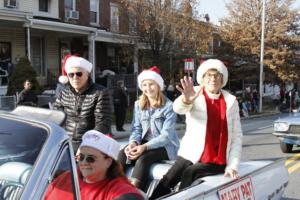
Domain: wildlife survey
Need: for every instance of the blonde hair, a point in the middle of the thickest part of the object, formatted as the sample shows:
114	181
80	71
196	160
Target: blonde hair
159	101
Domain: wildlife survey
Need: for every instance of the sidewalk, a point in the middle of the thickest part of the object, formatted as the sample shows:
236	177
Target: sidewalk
118	135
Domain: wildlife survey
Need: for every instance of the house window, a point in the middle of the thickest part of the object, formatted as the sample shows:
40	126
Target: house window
10	3
70	10
94	11
38	55
114	18
43	5
70	4
132	24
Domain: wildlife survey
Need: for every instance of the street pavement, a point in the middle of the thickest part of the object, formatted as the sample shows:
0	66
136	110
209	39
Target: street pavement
121	135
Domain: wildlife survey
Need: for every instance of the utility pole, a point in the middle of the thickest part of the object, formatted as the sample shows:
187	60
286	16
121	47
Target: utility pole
262	55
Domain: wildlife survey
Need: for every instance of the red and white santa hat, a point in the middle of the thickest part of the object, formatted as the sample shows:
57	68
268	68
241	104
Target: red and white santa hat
152	73
63	78
75	61
212	64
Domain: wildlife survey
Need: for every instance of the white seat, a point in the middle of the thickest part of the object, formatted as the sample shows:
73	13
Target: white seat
157	171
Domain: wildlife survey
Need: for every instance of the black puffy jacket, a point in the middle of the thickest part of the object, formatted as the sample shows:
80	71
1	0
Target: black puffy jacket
92	109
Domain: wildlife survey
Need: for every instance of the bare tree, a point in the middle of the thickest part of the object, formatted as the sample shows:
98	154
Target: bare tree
169	26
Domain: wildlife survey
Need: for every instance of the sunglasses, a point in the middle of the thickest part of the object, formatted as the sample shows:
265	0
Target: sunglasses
87	158
78	74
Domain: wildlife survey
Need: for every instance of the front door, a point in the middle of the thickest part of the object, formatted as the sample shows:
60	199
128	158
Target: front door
37	55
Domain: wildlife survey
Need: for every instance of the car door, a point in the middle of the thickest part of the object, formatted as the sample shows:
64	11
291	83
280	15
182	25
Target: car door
63	177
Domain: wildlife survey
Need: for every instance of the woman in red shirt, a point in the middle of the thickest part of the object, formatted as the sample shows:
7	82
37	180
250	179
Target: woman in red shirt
100	174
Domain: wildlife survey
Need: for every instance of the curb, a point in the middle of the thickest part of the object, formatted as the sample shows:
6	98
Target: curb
261	115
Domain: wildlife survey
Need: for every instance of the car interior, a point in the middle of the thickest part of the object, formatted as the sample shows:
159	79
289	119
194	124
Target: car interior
13	176
20	144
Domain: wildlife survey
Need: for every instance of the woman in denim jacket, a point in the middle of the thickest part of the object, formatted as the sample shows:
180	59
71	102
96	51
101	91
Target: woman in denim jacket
154	136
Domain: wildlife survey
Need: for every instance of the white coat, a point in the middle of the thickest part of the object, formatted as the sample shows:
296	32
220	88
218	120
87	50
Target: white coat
192	143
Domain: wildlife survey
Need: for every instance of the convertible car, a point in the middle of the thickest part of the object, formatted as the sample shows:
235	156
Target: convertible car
34	150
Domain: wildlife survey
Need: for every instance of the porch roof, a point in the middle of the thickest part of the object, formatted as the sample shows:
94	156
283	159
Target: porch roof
14	15
60	26
99	35
104	36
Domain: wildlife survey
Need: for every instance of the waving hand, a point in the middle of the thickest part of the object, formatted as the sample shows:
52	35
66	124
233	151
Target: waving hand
187	90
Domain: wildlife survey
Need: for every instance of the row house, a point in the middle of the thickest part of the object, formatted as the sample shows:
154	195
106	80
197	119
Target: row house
45	30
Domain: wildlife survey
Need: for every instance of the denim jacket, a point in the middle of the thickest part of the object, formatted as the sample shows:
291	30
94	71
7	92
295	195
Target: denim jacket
162	123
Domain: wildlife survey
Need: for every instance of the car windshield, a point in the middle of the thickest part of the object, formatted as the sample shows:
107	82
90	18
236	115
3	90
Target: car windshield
20	144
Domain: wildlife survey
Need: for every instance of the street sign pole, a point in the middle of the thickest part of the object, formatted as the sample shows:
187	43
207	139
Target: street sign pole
262	56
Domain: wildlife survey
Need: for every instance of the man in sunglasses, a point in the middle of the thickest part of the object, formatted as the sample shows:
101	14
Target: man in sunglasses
100	175
87	105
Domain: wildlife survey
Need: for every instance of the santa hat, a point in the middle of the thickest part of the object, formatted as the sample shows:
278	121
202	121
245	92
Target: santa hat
212	64
75	61
152	73
63	78
101	142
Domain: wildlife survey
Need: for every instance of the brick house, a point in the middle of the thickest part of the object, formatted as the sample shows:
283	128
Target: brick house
44	30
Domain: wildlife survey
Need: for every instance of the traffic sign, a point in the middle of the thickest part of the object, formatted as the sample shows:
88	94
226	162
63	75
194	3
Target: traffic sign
188	64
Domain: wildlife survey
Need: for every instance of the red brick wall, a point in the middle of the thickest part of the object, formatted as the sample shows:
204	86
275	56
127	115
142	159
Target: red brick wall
105	14
83	6
61	5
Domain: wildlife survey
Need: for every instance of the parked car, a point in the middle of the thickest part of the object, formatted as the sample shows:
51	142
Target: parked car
287	130
34	150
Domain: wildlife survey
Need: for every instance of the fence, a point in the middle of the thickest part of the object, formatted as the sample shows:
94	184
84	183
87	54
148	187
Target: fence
10	102
43	100
129	81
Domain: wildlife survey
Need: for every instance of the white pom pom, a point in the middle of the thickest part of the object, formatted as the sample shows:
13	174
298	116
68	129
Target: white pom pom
63	79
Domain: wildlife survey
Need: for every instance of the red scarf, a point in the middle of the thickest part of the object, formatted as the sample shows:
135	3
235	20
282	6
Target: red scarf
216	131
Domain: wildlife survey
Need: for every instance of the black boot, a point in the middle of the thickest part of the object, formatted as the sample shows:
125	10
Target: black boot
159	191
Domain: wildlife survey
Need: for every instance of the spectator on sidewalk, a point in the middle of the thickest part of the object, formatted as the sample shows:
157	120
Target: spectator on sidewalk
171	91
100	175
153	136
255	100
276	96
87	105
120	105
212	143
27	96
243	107
282	93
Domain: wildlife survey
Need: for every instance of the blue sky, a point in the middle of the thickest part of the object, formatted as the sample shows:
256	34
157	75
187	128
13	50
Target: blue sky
216	8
